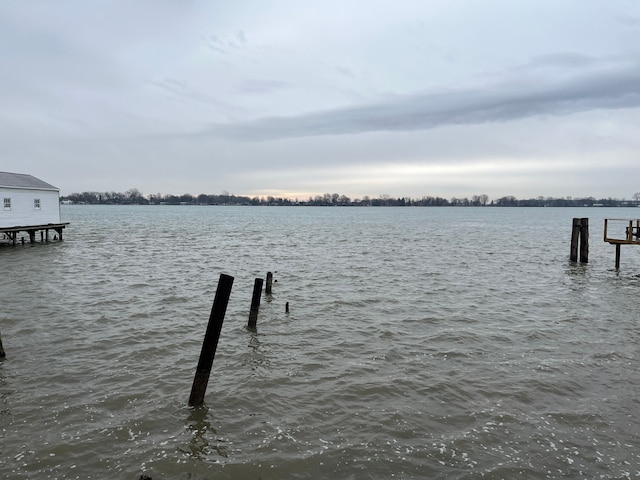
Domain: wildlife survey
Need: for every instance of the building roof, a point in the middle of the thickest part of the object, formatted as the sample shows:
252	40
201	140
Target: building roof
22	180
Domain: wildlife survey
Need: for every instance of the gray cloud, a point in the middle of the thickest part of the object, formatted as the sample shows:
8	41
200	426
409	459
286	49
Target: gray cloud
255	86
609	87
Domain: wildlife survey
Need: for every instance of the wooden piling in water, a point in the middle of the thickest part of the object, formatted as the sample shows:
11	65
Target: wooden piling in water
584	240
286	308
580	240
267	289
2	353
210	343
575	236
255	303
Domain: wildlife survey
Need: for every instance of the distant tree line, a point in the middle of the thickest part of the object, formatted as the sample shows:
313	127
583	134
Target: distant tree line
134	197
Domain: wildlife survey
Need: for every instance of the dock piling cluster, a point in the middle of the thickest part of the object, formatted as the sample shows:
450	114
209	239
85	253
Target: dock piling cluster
580	240
212	335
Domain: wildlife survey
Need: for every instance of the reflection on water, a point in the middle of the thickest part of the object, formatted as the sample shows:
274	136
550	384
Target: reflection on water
202	436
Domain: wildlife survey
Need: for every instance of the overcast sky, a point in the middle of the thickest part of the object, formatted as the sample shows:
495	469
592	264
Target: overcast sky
293	98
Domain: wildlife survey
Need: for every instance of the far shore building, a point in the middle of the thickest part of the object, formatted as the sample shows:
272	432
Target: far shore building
28	205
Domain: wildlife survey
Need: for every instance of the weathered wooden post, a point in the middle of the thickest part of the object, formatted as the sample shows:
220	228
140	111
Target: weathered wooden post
286	308
2	354
575	236
267	289
584	240
617	256
210	343
255	303
580	240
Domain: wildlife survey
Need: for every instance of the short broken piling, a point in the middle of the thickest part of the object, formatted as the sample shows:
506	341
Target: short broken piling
267	289
2	354
255	303
210	343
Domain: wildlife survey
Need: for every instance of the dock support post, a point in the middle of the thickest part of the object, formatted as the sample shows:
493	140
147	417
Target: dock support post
584	240
267	289
617	256
255	303
210	343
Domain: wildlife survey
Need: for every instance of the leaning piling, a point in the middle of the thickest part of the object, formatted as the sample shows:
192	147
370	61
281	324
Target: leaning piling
255	303
210	343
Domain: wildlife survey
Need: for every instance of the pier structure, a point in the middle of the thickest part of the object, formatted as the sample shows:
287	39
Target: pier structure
11	233
619	232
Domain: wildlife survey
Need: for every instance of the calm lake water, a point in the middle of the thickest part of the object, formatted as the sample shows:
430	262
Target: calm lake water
420	343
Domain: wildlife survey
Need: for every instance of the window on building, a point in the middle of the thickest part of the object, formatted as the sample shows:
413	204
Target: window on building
7	203
36	203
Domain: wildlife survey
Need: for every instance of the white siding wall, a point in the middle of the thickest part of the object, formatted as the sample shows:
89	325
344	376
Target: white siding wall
23	212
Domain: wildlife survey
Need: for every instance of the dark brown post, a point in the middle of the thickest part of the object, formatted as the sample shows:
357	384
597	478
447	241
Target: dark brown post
2	354
617	256
575	235
210	343
286	308
584	240
255	303
267	289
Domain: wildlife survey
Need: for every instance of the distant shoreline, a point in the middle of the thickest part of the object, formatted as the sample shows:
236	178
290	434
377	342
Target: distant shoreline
134	197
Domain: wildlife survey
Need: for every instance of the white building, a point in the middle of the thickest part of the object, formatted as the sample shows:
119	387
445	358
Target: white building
28	204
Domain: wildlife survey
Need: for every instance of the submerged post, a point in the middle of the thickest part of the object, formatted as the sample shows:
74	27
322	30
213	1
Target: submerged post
267	289
2	354
210	343
617	256
255	303
584	240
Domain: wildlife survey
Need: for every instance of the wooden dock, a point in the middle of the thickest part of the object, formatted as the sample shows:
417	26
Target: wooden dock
618	231
11	233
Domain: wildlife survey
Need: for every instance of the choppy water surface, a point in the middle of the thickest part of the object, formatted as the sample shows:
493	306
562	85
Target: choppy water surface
420	343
